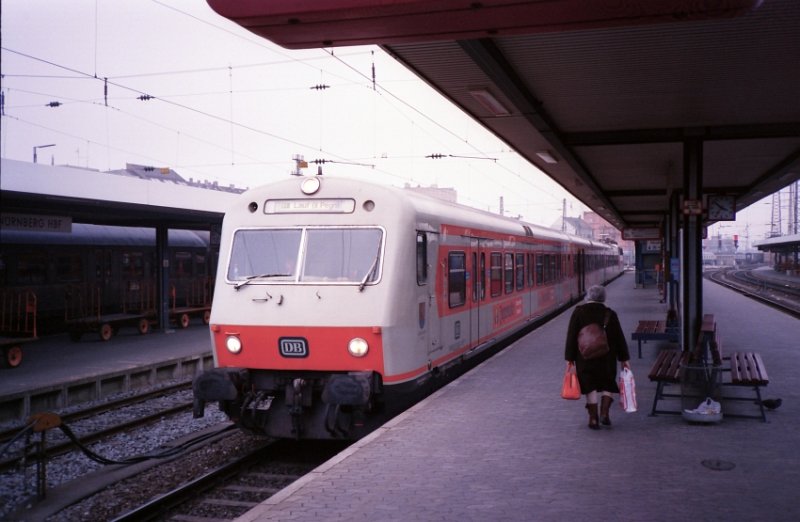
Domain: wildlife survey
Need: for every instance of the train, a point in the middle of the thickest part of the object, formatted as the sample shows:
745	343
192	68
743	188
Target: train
112	262
339	302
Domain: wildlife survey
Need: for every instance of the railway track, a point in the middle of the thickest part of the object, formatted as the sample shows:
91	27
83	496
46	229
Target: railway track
776	293
98	409
66	444
238	485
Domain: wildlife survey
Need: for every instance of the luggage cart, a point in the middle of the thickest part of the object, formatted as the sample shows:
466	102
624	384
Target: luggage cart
17	325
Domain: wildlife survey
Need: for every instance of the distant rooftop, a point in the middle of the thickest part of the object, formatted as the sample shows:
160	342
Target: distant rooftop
150	172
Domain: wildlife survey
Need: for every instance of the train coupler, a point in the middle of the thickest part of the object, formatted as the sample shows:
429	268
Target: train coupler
295	399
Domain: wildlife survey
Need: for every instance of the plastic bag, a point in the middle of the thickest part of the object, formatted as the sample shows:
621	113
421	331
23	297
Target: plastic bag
627	391
570	389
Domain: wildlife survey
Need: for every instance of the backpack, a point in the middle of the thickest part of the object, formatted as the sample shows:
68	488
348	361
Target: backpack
592	339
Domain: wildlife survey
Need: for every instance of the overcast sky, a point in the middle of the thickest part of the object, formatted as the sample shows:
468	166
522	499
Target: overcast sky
231	107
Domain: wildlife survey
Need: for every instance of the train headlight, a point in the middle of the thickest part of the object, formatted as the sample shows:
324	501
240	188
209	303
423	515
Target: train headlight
357	347
233	344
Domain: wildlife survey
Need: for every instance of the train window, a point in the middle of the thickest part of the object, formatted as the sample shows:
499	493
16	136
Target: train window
200	264
349	255
69	268
271	252
103	263
329	255
508	270
520	271
133	264
539	270
496	273
32	269
181	264
457	279
422	258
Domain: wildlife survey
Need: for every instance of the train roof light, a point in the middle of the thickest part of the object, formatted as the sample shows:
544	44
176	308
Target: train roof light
310	186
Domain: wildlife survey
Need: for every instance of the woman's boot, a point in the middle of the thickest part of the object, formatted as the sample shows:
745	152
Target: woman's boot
605	405
592	409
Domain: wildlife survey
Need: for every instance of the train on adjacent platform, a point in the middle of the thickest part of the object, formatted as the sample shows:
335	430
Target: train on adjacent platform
339	302
111	262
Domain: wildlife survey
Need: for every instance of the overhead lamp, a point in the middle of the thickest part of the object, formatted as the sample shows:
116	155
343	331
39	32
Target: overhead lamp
489	102
547	157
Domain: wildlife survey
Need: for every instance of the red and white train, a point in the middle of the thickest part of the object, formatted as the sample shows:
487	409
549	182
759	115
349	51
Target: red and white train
338	302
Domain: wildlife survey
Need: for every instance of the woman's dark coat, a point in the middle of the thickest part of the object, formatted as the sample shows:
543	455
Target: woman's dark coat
596	374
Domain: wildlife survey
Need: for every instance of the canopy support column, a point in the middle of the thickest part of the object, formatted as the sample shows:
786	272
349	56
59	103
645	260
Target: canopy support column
692	253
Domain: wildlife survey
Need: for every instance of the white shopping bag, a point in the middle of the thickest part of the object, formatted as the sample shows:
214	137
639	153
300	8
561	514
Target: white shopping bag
627	391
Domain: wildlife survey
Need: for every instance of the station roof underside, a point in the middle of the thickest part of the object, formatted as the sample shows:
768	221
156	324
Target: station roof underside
790	243
611	90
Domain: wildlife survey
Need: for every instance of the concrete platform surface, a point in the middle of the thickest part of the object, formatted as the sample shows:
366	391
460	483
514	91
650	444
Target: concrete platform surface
500	444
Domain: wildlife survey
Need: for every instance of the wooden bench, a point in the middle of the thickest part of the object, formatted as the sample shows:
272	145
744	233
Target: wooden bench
654	331
747	370
665	371
669	364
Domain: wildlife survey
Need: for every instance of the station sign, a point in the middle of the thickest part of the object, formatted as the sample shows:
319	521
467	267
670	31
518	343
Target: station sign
692	207
636	234
36	223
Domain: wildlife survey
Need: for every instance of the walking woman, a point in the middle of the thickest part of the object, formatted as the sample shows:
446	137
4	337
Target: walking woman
597	377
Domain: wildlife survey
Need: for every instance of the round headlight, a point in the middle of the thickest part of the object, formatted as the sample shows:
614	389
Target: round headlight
233	344
358	347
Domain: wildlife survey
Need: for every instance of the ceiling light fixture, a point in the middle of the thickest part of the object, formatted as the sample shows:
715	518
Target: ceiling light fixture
547	157
489	102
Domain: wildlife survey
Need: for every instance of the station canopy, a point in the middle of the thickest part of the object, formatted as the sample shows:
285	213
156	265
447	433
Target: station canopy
602	96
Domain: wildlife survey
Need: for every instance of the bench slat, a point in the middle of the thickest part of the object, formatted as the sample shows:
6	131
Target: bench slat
667	366
747	368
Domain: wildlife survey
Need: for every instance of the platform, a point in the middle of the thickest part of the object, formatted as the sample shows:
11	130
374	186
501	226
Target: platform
56	372
500	444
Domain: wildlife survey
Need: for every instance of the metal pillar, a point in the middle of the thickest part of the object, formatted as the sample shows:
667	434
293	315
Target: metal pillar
673	247
692	251
162	241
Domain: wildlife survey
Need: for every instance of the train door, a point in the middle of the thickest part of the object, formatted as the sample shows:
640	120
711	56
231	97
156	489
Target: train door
475	272
427	274
580	271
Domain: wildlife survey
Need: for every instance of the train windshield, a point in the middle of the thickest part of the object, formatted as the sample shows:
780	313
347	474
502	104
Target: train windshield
306	255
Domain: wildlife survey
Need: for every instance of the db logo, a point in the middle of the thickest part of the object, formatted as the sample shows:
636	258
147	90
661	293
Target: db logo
293	347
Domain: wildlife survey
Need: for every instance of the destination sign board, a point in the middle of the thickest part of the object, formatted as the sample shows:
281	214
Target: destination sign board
309	206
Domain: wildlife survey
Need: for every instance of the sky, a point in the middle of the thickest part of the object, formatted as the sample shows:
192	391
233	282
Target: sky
170	83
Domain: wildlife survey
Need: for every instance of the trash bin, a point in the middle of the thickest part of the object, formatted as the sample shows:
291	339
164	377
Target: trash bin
700	393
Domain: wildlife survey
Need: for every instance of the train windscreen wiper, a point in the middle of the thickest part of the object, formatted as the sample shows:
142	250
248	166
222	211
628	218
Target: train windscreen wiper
371	269
249	279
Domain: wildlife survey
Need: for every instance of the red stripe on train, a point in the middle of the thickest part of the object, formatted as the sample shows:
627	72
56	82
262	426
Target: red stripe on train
313	348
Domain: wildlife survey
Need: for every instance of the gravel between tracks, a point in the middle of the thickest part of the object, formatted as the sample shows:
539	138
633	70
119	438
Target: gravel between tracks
130	493
18	488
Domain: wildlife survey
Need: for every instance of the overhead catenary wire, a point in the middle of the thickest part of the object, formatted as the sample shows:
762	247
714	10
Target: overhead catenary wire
340	57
